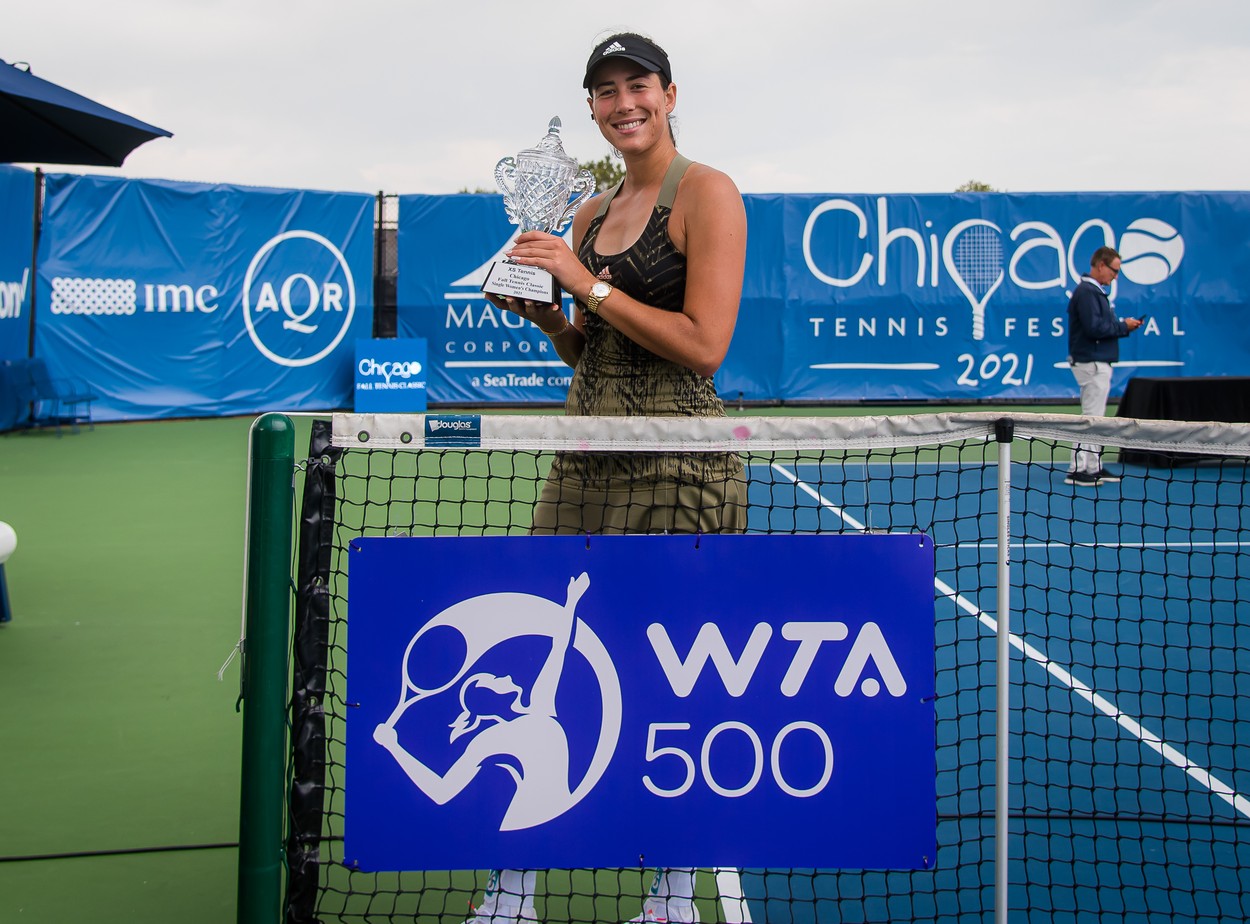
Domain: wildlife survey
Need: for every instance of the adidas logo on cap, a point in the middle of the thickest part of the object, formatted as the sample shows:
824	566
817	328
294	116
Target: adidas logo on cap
612	49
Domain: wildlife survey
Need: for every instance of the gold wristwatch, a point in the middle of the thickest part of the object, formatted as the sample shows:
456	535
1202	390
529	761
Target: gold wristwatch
598	292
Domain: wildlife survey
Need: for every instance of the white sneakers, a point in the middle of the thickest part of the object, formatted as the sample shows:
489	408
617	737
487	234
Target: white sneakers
524	914
504	913
670	898
509	899
651	915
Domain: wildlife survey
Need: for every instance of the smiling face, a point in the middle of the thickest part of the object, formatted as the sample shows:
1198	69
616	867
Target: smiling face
631	105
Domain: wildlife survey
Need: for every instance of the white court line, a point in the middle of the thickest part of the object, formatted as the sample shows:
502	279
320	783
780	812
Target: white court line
1203	777
1103	545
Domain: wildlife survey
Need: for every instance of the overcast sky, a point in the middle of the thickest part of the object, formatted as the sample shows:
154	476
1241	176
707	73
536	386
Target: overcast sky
783	95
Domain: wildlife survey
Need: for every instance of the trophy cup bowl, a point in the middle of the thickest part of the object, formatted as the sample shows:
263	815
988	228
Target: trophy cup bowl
542	189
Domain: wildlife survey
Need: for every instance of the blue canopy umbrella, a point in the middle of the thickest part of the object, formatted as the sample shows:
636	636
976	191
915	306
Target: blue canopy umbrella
43	123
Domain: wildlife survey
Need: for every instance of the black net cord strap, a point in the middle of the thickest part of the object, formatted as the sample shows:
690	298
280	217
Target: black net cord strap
308	679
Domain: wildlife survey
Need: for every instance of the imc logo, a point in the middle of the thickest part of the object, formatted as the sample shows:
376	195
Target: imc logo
299	298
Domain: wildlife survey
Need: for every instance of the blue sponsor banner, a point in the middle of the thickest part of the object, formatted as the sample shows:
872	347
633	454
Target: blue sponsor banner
657	700
17	205
390	376
478	353
964	297
959	297
187	299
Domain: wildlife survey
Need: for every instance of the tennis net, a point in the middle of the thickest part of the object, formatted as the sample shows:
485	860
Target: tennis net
1129	769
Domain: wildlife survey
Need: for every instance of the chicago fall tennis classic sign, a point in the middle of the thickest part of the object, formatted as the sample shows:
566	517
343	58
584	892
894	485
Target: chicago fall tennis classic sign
660	700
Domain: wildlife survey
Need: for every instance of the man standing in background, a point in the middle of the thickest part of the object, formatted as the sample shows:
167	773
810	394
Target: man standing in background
1094	334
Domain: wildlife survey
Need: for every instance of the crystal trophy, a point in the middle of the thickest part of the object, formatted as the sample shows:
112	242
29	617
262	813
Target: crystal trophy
542	189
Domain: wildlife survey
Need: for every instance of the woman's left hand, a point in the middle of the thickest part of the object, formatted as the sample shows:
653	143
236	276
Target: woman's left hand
550	319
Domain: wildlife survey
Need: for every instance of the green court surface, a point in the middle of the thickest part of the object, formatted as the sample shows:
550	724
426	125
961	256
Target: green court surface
119	747
117	736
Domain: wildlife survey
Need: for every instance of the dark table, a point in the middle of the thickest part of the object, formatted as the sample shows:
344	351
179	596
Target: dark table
13	407
1223	398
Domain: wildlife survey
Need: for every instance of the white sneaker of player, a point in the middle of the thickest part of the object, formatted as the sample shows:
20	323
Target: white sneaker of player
670	899
513	906
504	913
674	913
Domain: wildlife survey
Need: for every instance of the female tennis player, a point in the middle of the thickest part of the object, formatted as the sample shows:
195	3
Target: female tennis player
656	270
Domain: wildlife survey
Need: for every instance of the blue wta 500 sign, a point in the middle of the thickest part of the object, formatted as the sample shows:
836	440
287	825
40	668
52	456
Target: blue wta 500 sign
667	700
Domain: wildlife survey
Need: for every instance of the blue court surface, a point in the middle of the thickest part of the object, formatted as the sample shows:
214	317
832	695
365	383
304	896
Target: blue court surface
1130	765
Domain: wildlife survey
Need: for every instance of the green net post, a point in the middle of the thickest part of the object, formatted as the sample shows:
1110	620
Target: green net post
267	607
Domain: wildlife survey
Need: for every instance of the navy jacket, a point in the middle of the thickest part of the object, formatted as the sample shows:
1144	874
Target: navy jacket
1094	331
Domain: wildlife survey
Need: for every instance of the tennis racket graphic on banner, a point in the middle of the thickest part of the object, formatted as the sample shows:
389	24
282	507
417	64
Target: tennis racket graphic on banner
973	254
471	620
540	750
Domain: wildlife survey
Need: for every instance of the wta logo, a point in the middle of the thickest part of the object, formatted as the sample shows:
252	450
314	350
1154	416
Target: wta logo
505	722
299	298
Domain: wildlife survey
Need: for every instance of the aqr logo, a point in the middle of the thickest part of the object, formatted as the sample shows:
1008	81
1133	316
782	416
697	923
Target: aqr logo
298	307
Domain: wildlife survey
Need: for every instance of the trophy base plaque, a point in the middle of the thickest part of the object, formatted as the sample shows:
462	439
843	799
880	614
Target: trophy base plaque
513	280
